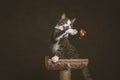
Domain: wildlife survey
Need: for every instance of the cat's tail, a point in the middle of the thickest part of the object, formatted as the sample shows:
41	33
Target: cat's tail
87	74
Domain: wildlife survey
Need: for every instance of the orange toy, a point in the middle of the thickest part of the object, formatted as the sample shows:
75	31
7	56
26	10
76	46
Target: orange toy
82	33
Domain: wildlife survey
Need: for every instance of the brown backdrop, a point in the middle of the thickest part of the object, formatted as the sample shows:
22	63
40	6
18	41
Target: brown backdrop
26	28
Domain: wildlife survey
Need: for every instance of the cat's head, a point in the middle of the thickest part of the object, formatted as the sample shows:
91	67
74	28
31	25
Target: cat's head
64	23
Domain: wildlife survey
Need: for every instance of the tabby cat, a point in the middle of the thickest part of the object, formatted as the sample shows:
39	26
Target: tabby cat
62	48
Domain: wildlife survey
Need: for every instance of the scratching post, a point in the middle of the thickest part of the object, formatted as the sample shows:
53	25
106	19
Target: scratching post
65	66
65	74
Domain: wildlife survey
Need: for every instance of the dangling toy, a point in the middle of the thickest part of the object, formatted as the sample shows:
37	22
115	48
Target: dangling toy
82	33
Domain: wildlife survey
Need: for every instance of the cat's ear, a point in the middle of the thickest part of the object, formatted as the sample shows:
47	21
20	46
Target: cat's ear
63	16
73	20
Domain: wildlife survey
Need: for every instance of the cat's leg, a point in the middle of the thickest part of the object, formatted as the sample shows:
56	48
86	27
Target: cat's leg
55	59
59	54
71	50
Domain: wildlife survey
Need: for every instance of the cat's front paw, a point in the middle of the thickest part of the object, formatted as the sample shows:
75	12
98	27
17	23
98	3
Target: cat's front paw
72	31
55	59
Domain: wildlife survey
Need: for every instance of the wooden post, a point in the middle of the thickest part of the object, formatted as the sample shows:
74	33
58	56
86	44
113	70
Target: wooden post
65	66
65	74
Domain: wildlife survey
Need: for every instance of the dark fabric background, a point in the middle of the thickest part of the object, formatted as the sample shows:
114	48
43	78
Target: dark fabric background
26	27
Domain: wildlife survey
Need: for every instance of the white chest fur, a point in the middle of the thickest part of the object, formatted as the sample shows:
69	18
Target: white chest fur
55	47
